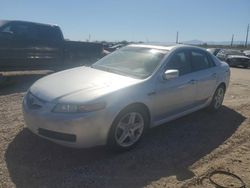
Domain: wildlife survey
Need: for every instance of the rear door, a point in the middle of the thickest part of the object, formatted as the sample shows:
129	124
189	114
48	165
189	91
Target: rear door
205	74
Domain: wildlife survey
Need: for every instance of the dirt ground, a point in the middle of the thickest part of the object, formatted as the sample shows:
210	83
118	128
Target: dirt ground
177	154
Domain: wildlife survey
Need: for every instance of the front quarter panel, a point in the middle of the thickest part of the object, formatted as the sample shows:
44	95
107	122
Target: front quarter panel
138	93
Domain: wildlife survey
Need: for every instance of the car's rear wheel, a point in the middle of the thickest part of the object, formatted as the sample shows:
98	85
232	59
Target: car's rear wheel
218	98
128	128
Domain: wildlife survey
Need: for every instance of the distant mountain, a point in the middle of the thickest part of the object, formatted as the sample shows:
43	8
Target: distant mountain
226	42
199	42
193	42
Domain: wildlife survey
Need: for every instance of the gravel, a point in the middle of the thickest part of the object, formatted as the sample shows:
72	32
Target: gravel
177	154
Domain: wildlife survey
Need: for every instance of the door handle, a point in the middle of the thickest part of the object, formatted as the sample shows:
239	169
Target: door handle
151	93
192	82
213	75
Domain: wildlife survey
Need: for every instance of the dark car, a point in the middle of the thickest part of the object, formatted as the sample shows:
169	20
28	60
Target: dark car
28	45
214	51
234	58
247	53
115	47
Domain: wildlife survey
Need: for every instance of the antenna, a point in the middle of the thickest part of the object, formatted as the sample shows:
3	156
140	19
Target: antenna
177	37
247	35
232	41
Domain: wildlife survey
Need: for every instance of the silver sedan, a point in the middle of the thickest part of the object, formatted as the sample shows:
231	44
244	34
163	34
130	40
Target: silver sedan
124	94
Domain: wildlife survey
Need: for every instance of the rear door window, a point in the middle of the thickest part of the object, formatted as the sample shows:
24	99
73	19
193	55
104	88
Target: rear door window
200	60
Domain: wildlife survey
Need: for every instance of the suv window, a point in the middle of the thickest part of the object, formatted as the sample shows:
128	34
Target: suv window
200	60
20	31
33	31
181	62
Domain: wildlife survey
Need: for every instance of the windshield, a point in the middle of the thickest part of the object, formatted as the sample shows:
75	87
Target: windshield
135	62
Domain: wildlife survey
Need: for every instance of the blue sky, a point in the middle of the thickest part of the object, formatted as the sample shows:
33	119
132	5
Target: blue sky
137	20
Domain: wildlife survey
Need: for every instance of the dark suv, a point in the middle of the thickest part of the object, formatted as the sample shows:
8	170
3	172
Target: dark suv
33	45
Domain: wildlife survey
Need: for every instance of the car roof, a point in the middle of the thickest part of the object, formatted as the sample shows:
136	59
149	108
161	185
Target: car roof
21	21
152	46
163	47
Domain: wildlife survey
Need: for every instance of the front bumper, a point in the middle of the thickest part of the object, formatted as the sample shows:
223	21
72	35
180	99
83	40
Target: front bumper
73	130
239	62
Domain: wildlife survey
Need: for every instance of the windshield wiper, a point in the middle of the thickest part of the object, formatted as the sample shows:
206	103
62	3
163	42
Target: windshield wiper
116	71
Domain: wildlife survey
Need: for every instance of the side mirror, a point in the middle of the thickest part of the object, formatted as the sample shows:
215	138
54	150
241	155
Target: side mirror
171	74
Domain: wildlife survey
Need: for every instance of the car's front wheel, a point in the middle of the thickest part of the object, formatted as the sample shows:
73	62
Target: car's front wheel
245	66
128	128
218	98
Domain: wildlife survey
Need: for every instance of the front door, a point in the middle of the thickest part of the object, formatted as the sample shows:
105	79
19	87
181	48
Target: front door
178	94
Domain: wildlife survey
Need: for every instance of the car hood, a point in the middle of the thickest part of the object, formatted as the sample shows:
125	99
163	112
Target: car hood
237	56
79	84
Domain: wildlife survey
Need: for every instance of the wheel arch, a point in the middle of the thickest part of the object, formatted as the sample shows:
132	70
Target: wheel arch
223	84
138	105
132	105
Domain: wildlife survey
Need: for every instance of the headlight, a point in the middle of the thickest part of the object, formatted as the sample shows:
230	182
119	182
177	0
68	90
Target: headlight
74	108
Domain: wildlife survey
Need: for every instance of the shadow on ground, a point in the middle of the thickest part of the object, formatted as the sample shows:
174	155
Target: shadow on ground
165	151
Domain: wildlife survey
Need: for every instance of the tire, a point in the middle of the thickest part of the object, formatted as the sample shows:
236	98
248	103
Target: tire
245	66
128	128
217	100
3	79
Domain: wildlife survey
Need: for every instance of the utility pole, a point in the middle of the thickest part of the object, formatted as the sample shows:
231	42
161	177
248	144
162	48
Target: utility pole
177	37
247	35
232	41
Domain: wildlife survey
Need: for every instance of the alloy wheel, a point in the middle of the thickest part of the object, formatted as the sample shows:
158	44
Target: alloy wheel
129	129
219	98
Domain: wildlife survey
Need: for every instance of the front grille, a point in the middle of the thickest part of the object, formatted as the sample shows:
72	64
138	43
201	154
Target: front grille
243	60
57	135
34	102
